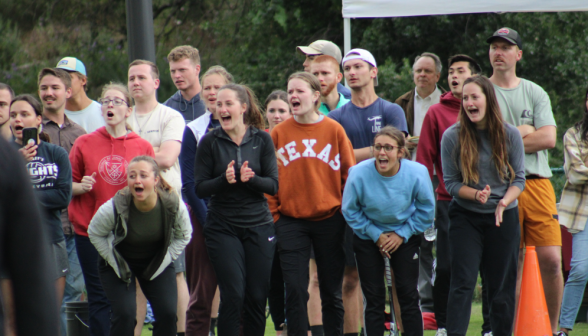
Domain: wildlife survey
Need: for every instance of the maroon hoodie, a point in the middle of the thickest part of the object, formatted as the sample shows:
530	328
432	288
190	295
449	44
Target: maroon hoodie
108	157
439	118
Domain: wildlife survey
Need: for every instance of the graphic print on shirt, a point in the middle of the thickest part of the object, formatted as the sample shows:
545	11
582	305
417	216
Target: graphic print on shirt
42	173
113	169
309	152
377	123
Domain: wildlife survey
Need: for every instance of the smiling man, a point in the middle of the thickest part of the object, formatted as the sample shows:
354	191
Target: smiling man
6	95
526	105
184	67
326	69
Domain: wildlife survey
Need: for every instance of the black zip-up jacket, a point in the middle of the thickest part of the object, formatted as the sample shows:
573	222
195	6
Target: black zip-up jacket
239	204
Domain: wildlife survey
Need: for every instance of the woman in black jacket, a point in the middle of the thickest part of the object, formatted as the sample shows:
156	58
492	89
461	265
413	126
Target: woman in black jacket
236	166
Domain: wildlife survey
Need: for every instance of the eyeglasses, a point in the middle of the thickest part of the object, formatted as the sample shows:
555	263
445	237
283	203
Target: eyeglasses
115	101
387	148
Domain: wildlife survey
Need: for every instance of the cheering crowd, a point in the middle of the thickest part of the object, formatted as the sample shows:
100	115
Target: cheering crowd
209	206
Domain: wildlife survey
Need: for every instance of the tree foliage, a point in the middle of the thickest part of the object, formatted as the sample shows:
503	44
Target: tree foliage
256	40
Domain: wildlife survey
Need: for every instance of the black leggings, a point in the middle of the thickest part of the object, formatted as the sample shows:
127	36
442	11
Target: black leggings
242	260
295	237
405	265
475	239
162	293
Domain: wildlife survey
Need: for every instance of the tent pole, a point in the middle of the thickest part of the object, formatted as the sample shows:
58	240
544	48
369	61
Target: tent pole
346	38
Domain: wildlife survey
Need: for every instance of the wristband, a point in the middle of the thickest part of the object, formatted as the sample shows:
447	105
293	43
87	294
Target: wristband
476	195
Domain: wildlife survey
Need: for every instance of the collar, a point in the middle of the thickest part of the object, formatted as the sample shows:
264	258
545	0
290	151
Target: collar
435	92
66	121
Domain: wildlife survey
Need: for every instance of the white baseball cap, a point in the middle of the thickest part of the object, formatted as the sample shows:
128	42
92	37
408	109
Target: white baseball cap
363	55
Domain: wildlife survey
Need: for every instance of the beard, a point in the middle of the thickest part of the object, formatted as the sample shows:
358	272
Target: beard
330	87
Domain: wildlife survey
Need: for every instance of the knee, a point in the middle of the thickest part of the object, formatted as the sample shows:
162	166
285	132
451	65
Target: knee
550	264
125	312
579	273
350	282
314	281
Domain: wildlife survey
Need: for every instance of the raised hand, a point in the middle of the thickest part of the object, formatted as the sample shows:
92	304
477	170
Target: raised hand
484	194
230	173
29	151
87	182
246	172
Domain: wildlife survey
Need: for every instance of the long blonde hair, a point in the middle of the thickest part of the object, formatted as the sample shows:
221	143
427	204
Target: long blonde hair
468	142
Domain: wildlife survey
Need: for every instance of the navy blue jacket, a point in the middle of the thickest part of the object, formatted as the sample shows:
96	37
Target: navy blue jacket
190	110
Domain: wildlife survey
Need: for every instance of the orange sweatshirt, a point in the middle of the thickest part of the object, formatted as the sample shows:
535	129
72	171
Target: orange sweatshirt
313	164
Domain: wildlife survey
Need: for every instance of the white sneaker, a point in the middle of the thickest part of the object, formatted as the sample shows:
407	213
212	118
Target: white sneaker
488	334
441	332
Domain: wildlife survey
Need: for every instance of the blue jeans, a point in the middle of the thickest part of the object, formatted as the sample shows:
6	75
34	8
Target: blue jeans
574	289
98	304
74	281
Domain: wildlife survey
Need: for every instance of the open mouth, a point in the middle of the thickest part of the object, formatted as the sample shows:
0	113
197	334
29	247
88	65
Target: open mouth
110	114
139	190
454	83
18	128
473	111
225	118
382	163
295	104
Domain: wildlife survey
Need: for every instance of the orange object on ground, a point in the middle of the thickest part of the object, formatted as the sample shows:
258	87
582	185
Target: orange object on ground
532	318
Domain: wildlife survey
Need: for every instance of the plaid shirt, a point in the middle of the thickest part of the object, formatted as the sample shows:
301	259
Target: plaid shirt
573	207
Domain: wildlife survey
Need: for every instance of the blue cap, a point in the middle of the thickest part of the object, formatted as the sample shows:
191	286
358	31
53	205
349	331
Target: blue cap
72	64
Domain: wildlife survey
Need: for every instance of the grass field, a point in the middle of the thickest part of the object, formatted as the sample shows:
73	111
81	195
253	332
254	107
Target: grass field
474	329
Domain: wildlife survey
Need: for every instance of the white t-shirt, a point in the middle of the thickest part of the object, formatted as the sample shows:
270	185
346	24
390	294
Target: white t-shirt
158	126
89	118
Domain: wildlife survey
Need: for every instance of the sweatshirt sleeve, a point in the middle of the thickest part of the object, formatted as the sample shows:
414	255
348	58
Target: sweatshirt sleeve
187	168
182	232
76	160
424	202
353	210
427	152
451	173
267	181
574	165
206	184
347	156
59	196
516	157
100	228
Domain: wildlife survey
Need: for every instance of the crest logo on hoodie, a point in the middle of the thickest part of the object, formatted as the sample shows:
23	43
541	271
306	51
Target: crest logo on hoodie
113	169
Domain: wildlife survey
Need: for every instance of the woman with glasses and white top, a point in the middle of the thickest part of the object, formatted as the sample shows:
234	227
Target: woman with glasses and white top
389	229
99	161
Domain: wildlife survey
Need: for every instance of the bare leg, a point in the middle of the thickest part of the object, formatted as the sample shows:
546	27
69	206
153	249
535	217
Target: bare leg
315	315
8	306
360	306
350	302
141	310
183	299
550	265
519	281
215	304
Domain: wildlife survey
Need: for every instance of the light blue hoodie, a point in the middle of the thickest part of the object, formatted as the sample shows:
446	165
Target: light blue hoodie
403	203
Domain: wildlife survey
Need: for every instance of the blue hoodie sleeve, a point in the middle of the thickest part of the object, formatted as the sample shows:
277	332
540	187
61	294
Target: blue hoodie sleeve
353	210
187	159
59	196
424	202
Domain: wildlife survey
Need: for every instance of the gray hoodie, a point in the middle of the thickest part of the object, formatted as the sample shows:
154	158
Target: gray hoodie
105	232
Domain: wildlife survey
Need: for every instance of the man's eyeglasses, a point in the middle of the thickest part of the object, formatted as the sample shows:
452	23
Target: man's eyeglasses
387	148
115	101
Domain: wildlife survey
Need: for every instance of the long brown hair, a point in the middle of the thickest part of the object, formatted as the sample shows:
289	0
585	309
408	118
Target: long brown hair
253	116
468	142
38	108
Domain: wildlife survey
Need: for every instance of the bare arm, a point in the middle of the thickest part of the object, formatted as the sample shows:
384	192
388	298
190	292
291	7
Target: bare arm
543	138
362	154
167	154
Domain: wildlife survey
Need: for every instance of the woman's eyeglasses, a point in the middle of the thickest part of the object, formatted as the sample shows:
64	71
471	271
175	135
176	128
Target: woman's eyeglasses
115	101
387	148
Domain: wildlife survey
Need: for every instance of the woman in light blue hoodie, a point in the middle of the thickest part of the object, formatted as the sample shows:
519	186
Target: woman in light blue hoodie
388	201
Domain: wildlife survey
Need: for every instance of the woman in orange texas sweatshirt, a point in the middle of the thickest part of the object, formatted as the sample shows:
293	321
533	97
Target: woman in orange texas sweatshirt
99	161
314	155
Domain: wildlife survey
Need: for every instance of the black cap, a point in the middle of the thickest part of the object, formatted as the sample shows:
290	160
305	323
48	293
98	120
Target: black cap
508	34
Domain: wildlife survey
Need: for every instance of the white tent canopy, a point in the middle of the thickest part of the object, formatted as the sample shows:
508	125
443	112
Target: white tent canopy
397	8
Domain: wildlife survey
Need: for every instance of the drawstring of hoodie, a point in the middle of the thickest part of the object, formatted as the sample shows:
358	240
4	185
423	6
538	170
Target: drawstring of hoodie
184	101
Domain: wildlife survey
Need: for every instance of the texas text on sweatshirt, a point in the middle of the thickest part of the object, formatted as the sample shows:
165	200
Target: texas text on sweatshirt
108	157
313	161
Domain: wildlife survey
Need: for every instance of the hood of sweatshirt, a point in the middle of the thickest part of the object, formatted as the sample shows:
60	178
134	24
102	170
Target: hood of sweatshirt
449	100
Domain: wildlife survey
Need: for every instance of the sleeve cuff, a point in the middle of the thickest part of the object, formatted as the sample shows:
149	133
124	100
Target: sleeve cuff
374	233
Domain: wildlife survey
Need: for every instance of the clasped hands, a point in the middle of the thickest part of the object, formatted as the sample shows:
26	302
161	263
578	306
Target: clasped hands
388	243
246	172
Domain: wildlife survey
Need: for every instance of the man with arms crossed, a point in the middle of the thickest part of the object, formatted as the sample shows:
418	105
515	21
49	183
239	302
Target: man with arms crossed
6	95
438	119
79	108
323	47
326	69
184	67
163	127
526	105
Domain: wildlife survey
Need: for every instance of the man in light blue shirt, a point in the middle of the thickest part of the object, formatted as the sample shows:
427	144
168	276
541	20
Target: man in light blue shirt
326	69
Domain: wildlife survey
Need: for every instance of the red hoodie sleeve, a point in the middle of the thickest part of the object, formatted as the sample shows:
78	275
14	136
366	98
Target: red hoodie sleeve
427	148
77	161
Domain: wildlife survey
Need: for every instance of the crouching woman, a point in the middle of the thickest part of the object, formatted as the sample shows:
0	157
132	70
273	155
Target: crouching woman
138	233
